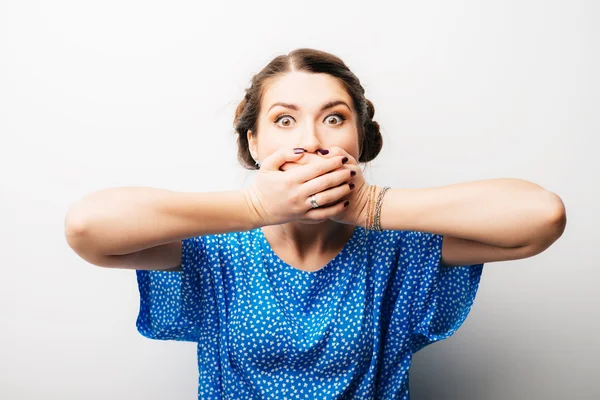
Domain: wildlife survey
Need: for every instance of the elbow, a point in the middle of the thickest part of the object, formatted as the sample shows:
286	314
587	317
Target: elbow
76	231
554	226
558	217
74	221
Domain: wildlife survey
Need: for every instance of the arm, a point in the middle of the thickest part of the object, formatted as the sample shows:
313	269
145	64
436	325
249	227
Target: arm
145	226
499	219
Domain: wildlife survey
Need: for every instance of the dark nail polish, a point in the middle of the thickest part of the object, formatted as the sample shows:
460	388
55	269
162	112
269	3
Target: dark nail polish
351	186
299	150
346	203
323	152
352	173
344	160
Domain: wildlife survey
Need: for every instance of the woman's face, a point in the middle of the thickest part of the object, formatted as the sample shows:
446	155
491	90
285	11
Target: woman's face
303	122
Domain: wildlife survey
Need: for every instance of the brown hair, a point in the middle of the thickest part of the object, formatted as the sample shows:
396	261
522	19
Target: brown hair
314	61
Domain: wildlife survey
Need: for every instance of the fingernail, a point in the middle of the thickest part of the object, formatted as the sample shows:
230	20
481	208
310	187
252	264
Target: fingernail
352	173
346	203
322	151
299	150
344	160
351	186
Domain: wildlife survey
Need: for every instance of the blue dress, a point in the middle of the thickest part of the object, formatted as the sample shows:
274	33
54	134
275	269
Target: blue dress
266	330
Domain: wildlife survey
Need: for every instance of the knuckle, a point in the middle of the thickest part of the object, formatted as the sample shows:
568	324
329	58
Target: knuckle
322	169
294	198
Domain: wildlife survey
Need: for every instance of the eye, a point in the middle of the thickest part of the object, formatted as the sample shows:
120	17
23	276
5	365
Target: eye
282	116
338	115
334	114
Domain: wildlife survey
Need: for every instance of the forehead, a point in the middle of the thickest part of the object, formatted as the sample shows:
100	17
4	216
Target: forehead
307	90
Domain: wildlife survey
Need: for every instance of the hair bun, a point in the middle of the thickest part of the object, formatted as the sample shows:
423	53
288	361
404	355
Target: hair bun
373	141
370	109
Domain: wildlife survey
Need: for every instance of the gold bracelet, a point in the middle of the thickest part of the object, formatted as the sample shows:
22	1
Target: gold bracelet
372	213
377	224
373	205
369	206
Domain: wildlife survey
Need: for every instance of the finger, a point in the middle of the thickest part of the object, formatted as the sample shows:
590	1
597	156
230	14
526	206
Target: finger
307	158
274	161
326	212
310	171
327	181
330	196
338	151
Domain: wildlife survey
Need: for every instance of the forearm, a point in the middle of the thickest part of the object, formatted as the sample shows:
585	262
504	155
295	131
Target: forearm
124	220
501	212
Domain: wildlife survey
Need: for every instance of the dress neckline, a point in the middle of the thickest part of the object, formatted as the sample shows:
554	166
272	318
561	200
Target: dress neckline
330	264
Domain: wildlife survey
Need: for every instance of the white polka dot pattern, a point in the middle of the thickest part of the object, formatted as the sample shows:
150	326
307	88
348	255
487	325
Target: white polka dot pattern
268	330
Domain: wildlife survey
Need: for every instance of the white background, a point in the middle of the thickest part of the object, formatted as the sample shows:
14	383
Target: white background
143	93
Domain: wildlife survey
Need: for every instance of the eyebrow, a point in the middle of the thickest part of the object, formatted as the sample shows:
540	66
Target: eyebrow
323	107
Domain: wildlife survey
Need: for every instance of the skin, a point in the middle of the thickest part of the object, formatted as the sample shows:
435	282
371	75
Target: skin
306	244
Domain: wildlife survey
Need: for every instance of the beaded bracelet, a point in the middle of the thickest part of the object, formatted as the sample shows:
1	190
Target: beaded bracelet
374	209
377	224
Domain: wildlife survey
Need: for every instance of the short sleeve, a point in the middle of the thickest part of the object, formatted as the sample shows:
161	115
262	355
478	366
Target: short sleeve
443	296
172	303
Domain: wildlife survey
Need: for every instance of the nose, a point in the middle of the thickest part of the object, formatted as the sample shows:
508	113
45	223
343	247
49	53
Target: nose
310	140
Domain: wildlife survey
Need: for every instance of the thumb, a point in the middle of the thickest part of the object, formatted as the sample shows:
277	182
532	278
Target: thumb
280	157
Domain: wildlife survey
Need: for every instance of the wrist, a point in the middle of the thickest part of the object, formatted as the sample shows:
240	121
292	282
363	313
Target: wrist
368	200
371	216
254	217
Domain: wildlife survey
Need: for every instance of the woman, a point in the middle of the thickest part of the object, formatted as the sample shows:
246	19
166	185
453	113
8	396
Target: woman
310	283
